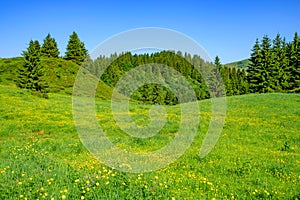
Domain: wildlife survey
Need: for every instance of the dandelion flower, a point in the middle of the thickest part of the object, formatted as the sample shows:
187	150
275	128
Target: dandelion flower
63	197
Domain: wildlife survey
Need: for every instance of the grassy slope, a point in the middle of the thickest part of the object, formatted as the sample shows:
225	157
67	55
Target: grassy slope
242	64
60	74
257	156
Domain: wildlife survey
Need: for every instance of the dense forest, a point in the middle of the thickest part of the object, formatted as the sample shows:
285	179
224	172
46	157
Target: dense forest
273	67
193	68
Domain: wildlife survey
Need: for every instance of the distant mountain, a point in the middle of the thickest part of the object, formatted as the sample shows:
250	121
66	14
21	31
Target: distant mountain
242	64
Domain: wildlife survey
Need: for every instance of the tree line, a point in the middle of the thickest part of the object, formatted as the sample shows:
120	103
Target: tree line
274	67
31	75
201	75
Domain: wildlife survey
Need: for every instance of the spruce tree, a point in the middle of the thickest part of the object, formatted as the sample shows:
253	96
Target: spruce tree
253	70
218	63
294	63
259	71
225	77
279	73
31	74
49	47
266	63
76	50
242	84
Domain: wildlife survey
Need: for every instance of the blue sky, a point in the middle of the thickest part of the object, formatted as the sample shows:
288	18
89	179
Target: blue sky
224	28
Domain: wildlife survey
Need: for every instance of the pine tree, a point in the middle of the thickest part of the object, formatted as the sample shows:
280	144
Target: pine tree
266	63
259	71
49	47
218	63
253	70
215	79
31	74
279	72
294	63
233	81
242	84
76	50
225	77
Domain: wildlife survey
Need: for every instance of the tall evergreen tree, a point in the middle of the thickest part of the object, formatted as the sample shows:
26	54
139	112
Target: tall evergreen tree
76	50
259	72
266	63
31	74
294	63
242	84
217	63
279	65
254	78
49	47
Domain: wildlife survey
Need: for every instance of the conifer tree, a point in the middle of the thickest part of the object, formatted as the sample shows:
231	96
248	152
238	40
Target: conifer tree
265	84
76	50
49	47
294	63
253	70
31	74
217	63
278	72
225	76
260	67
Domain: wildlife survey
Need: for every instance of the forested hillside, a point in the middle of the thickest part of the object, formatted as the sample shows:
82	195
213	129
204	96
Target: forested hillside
274	66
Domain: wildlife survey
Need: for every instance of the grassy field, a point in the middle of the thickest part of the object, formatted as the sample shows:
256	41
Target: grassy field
256	157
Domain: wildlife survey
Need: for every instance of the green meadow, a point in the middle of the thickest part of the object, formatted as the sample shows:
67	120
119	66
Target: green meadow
256	157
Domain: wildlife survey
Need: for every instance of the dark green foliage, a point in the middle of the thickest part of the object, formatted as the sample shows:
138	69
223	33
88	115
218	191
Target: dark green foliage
234	79
49	47
254	78
217	63
31	74
154	93
294	63
76	51
279	71
274	67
